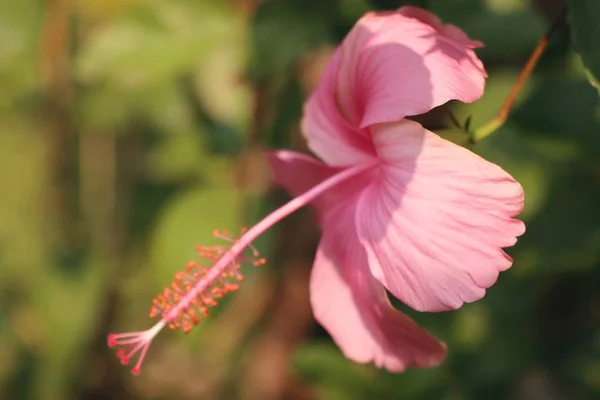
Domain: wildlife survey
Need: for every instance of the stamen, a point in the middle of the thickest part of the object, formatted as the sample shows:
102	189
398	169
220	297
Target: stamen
188	298
169	305
194	290
131	343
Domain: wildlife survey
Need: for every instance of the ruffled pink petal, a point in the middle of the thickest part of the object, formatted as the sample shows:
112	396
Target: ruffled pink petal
298	173
435	221
328	134
352	306
398	64
450	31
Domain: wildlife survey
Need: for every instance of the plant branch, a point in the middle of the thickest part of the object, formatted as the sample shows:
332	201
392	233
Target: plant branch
498	121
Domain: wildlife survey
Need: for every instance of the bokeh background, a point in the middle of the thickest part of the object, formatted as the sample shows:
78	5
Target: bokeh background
130	129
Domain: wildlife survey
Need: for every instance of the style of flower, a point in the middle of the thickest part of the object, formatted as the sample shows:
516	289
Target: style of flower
401	208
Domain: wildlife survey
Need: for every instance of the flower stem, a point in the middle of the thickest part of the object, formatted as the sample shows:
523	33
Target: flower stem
498	121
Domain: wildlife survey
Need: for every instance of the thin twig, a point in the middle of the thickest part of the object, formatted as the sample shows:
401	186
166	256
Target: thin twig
495	123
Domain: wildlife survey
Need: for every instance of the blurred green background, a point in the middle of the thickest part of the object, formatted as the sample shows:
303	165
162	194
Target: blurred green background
130	129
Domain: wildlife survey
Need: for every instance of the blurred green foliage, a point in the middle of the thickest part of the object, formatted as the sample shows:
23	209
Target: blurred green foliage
130	131
586	34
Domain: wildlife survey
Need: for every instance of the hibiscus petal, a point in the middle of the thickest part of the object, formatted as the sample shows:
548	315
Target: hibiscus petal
436	219
298	173
450	31
328	134
354	308
398	64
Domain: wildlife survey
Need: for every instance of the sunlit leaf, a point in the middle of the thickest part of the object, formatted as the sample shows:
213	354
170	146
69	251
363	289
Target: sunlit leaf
154	42
19	30
188	220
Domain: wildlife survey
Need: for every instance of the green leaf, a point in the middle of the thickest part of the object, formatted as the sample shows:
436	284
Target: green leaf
487	21
583	17
144	47
19	42
283	31
455	135
593	81
330	373
563	109
188	220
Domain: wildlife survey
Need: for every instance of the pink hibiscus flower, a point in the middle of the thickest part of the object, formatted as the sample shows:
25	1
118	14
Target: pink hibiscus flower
401	208
429	220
